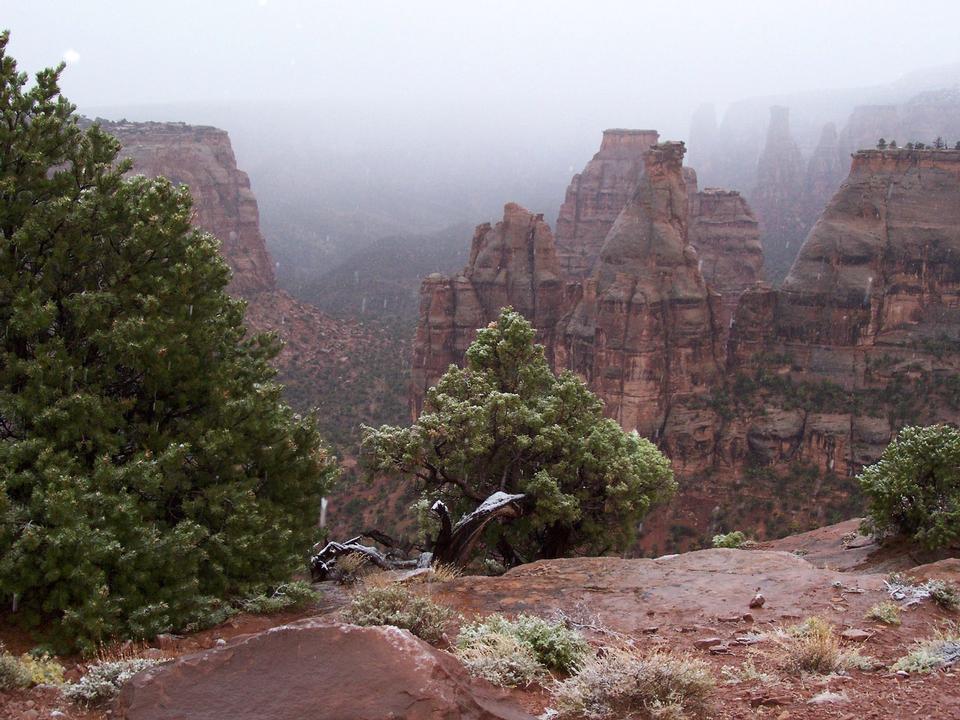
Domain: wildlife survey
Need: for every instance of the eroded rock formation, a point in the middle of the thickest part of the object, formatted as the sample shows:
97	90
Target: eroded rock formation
776	196
511	263
596	196
646	333
826	169
767	420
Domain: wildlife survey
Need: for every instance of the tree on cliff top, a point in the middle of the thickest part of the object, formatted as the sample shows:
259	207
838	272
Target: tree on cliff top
506	423
914	488
147	463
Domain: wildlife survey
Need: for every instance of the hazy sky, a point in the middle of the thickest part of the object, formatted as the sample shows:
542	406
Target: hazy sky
523	58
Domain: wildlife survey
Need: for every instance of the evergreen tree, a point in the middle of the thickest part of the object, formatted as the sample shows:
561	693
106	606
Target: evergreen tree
914	488
505	422
147	463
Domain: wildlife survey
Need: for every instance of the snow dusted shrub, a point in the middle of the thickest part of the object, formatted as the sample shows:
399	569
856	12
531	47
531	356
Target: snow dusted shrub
501	660
554	646
396	605
103	680
13	674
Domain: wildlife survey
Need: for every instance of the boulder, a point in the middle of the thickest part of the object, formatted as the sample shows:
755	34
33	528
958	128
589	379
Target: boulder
318	670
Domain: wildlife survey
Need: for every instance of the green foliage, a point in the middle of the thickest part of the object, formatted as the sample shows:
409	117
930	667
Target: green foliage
914	488
286	596
554	646
944	594
735	539
505	422
620	684
146	459
396	605
885	612
938	651
103	680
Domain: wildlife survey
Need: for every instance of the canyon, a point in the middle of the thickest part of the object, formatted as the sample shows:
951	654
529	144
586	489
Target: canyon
767	400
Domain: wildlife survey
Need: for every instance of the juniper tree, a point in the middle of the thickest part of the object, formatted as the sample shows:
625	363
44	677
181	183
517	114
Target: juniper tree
505	422
147	462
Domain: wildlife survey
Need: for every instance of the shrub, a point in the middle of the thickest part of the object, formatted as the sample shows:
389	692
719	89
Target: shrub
287	596
500	659
12	672
886	612
942	650
396	605
944	594
735	539
103	680
914	488
43	669
810	647
620	683
554	646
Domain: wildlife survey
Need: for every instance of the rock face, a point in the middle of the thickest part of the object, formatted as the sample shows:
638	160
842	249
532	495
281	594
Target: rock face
596	196
726	235
645	333
775	198
202	158
826	170
511	263
317	670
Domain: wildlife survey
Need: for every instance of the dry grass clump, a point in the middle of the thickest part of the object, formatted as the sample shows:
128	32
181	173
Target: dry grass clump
553	645
944	594
940	651
885	612
501	659
811	647
12	672
445	572
351	568
621	684
398	606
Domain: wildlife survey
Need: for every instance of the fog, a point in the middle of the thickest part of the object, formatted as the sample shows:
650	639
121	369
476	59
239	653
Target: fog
408	116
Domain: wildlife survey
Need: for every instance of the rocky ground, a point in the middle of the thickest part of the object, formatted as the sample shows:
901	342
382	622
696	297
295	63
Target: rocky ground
307	664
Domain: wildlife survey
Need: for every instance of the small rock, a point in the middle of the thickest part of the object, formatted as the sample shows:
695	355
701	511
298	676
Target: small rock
704	643
770	700
751	639
827	697
730	619
719	649
747	617
758	600
221	642
855	635
651	630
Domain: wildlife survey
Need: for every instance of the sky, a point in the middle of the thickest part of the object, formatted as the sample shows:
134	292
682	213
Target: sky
603	61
